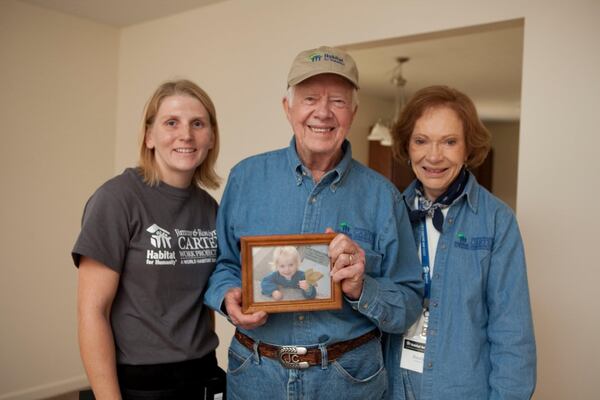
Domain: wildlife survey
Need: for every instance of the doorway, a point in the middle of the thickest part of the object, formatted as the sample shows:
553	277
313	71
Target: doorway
483	61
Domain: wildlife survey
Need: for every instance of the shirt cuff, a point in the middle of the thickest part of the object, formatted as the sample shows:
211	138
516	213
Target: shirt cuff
367	297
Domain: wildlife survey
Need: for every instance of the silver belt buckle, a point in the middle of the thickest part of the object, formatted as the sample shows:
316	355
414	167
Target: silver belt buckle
288	356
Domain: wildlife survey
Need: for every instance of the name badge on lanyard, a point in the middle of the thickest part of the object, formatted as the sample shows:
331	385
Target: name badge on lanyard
415	339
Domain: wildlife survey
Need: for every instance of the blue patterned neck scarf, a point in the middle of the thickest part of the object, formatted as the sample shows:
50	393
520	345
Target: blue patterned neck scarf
433	209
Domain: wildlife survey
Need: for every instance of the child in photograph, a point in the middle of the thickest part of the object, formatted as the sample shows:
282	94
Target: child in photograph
286	261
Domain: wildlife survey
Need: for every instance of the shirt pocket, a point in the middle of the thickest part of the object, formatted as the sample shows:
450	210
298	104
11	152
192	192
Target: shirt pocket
468	269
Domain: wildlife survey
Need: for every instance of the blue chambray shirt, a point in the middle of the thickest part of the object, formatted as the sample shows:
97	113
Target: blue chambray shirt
480	342
273	193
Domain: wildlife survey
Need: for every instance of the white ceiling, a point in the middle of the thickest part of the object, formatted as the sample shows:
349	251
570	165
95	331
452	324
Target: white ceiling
484	62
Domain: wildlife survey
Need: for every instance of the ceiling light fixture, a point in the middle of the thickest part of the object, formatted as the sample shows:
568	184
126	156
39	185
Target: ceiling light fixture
381	131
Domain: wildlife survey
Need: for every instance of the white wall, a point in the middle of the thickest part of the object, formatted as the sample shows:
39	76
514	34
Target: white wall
240	52
57	107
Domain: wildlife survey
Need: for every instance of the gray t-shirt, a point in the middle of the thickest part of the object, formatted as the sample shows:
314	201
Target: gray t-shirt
162	240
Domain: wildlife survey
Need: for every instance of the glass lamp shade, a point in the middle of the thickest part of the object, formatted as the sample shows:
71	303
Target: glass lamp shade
381	133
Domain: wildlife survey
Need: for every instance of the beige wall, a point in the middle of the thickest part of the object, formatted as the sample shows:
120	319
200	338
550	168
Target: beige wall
57	107
255	43
370	110
240	52
558	168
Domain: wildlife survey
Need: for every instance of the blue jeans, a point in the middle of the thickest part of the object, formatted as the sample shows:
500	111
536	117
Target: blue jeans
358	374
412	384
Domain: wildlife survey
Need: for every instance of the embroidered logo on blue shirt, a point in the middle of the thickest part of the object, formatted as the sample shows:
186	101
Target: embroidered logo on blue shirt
363	235
476	243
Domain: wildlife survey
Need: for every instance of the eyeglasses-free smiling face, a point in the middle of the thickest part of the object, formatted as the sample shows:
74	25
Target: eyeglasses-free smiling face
287	265
437	149
181	136
321	113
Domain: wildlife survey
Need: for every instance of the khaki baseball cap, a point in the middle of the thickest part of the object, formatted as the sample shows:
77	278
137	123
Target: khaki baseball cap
323	60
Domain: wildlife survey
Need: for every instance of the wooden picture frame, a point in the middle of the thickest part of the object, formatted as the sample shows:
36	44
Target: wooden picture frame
263	276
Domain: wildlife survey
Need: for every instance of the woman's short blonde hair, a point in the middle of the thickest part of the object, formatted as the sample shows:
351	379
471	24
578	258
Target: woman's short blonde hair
205	174
477	137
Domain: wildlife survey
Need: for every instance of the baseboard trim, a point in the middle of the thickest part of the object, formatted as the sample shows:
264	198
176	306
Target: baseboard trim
48	390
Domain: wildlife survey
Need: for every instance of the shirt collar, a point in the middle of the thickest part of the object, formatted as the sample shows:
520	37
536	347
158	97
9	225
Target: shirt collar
471	193
339	171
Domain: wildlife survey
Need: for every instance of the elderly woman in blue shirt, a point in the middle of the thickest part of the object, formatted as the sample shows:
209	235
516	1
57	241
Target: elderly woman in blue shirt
474	339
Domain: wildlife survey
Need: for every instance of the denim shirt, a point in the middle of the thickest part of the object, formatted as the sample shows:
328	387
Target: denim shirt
274	280
273	193
480	342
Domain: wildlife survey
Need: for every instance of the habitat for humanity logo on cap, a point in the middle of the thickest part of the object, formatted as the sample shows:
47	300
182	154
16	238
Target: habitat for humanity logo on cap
316	57
323	60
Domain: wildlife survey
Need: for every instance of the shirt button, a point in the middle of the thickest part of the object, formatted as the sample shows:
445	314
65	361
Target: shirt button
365	305
313	200
430	365
436	275
443	245
435	304
300	317
449	221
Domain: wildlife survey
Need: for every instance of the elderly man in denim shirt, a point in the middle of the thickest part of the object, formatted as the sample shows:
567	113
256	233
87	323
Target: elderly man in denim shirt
312	186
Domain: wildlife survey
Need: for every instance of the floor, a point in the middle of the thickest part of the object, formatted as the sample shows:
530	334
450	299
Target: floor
66	396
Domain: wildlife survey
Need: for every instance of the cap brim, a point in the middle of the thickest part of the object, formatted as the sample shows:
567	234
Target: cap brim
303	77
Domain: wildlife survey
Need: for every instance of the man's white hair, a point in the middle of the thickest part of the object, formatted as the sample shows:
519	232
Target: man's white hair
290	96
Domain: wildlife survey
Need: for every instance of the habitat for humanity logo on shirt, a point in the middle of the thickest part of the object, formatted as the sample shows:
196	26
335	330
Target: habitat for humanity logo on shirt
193	246
160	239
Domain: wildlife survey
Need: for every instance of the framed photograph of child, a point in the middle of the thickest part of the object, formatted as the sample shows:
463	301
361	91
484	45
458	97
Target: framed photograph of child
285	273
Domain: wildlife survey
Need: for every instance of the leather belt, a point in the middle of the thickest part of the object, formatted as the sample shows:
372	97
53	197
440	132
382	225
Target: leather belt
299	357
